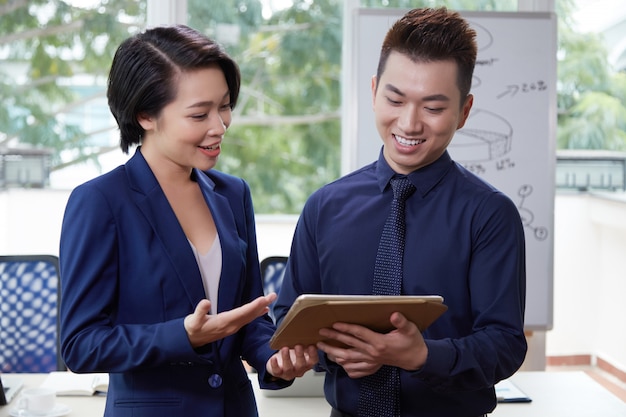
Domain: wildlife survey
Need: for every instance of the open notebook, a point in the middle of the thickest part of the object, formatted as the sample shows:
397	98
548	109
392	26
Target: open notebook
10	385
70	384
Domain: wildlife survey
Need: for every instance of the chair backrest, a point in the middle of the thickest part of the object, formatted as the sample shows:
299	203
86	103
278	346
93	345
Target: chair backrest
273	271
29	320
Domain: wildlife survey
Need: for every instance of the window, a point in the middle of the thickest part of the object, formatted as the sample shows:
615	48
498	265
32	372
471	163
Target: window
286	135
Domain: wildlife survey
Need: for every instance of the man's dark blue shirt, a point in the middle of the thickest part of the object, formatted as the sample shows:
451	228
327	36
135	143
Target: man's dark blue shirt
464	241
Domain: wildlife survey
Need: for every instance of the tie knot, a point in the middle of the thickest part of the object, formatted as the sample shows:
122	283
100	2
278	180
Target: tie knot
402	188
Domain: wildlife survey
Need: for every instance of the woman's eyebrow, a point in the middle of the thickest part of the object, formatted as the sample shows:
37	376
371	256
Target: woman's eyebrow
207	103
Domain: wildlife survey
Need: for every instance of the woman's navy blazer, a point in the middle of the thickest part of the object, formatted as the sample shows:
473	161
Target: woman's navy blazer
129	278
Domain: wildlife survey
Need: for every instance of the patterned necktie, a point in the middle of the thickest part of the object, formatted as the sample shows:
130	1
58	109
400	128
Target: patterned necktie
380	393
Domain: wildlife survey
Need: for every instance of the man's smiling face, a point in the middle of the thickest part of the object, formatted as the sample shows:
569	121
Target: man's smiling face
417	106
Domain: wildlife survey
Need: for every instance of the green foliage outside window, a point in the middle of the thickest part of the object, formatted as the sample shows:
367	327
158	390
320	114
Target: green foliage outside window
285	139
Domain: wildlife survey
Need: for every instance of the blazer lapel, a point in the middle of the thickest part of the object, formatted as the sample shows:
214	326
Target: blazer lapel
151	200
232	261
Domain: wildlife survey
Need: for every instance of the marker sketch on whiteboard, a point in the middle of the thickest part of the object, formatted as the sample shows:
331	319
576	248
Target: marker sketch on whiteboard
527	215
486	136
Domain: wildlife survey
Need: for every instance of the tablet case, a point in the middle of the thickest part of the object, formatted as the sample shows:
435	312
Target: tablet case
312	312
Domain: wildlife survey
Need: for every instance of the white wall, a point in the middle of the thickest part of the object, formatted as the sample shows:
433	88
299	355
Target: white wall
575	275
274	234
30	221
589	264
590	278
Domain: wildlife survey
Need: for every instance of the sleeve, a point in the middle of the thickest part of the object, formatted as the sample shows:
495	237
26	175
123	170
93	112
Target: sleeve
91	340
302	273
256	348
496	346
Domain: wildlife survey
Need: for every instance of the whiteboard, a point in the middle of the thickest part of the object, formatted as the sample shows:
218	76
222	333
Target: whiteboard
509	138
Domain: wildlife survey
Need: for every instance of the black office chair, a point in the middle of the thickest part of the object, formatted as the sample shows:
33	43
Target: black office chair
29	322
273	271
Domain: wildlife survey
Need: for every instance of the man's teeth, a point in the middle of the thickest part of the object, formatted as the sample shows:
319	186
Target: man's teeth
407	142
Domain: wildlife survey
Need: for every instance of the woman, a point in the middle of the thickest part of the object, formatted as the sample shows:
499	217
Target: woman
159	267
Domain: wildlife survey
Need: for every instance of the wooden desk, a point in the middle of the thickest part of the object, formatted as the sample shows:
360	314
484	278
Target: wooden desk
571	394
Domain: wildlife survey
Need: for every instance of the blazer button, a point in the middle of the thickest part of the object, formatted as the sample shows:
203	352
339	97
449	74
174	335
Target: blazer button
215	381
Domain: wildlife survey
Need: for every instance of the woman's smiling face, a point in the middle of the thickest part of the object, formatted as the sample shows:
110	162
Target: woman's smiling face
417	106
189	131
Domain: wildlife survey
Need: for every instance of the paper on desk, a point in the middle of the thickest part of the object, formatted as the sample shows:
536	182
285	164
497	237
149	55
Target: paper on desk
508	392
69	383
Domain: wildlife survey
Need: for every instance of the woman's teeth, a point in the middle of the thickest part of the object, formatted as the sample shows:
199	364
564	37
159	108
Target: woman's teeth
407	142
211	148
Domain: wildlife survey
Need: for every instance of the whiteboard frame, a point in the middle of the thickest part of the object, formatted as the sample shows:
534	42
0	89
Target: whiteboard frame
359	149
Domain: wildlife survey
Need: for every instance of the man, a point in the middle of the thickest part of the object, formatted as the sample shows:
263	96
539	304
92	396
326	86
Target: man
464	241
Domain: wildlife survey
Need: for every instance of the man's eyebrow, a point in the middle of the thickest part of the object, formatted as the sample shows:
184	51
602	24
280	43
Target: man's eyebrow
433	97
437	97
394	89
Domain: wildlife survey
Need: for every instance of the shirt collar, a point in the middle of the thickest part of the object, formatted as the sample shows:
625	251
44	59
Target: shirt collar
424	179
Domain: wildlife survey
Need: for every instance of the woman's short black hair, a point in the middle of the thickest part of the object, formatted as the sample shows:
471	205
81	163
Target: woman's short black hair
146	66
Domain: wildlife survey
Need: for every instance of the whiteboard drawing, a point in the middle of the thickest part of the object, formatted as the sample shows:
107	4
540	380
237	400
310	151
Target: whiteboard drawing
528	217
486	136
484	38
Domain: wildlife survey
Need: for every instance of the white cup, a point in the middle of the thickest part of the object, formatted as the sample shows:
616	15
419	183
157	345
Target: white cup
36	401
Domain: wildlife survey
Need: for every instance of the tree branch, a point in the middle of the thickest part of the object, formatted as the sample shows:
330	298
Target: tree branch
265	120
12	6
285	27
83	158
72	26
